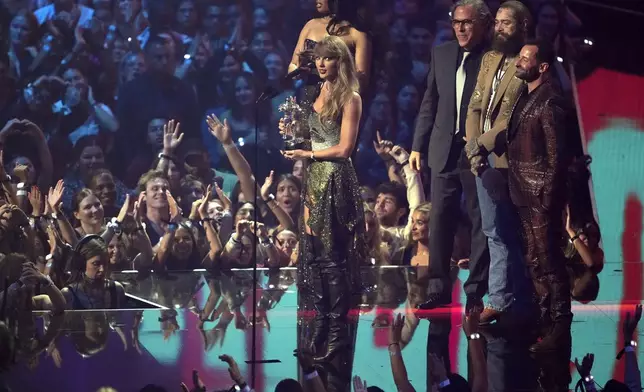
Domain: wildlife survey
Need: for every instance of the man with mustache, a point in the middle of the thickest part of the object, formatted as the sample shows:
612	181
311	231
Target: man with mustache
537	162
497	90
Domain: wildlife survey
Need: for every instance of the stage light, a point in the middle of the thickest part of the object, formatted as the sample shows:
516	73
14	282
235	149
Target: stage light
186	57
588	41
560	59
129	39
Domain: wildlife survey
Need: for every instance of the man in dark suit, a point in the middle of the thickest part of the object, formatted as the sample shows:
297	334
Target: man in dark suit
440	131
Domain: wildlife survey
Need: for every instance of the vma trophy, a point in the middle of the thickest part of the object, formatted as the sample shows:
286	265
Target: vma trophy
293	134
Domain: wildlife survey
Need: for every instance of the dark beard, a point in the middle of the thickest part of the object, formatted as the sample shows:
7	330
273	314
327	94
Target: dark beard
529	75
509	46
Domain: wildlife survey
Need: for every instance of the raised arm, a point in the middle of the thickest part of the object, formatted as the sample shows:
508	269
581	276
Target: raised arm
240	165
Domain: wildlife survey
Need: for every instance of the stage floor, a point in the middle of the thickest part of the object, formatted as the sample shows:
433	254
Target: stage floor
160	340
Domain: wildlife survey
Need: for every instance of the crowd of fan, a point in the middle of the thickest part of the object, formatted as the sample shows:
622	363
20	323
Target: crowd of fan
114	156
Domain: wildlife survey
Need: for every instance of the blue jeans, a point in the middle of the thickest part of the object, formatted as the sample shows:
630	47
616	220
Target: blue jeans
507	280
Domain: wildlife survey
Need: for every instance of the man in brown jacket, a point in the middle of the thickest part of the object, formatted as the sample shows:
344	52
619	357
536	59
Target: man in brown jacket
537	161
497	90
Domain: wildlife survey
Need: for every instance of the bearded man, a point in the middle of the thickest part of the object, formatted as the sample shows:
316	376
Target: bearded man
537	163
497	90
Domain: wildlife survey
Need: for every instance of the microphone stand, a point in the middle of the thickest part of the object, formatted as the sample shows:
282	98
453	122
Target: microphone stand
269	93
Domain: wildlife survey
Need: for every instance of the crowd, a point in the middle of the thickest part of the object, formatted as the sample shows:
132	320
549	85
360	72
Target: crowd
135	139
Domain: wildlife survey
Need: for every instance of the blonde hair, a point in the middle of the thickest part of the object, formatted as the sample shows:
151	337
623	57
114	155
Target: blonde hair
425	208
346	84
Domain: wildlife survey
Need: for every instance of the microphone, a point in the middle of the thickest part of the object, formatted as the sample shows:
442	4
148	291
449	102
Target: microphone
302	69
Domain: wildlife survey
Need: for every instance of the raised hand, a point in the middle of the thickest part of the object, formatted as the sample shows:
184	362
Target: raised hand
400	155
175	211
219	130
382	147
197	384
437	368
395	329
630	324
359	385
36	201
125	209
305	358
233	369
586	366
203	207
224	199
55	196
139	209
266	188
172	137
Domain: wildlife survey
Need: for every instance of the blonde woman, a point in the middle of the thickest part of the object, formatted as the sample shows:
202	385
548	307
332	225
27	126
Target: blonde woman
332	235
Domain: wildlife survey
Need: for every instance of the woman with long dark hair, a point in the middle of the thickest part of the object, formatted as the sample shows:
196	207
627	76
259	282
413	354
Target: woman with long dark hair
332	228
338	18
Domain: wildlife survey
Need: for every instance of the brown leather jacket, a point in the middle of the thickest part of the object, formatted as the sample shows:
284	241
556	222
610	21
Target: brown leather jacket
537	151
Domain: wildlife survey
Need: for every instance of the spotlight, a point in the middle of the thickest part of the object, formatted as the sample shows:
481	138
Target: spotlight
129	39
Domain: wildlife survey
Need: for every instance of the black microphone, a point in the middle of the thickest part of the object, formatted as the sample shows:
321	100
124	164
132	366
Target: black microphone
302	69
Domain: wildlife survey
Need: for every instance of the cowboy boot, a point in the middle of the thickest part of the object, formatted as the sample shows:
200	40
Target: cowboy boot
338	293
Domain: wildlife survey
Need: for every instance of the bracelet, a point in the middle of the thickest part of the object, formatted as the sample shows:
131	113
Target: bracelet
21	185
313	156
166	157
573	238
269	198
311	376
228	146
443	383
474	336
394	344
21	193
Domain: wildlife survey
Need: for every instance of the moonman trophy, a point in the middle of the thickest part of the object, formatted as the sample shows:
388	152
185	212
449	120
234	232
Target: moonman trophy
292	133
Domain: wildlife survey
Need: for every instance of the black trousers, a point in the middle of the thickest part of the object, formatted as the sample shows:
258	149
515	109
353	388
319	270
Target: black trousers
447	188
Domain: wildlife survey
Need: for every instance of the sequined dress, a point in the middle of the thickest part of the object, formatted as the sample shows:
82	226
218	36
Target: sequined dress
336	216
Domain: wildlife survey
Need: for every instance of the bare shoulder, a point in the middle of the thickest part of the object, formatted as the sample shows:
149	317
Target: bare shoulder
356	100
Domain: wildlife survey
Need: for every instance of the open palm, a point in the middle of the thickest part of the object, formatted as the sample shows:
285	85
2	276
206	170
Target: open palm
218	129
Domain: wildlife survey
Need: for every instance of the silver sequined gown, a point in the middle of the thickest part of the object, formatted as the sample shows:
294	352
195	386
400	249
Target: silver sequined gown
336	216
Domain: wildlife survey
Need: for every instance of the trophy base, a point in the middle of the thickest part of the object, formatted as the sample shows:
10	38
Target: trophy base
294	144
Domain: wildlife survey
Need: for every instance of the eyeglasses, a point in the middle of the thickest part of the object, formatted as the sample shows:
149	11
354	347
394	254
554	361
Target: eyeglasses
467	23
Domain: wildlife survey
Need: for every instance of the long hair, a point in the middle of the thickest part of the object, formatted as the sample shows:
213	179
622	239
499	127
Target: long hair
345	14
346	84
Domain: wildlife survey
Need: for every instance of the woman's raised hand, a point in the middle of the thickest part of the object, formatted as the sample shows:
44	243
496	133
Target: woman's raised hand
56	195
219	130
172	137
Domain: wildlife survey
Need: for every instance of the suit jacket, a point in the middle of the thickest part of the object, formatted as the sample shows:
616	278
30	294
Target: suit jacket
506	97
436	122
537	150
